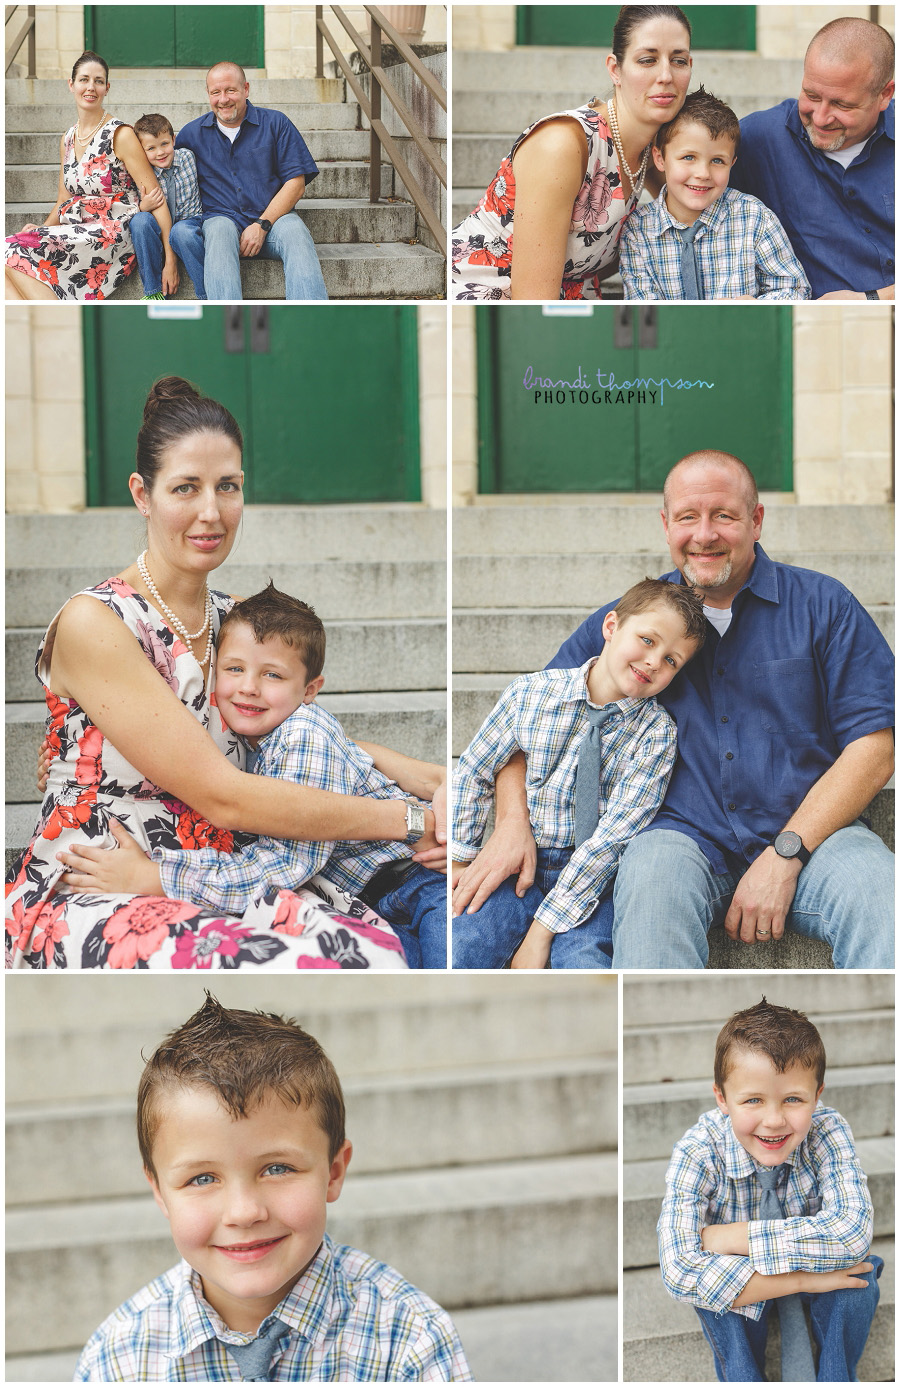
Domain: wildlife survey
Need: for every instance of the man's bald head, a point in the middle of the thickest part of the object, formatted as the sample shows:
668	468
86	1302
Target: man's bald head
226	68
713	458
844	41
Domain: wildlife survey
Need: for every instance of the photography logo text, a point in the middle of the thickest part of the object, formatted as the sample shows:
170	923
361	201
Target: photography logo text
602	388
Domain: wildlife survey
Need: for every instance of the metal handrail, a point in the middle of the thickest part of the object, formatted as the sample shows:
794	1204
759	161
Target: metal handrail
371	108
26	31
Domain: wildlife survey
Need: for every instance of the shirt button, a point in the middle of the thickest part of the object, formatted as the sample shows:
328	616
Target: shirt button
867	230
723	719
729	756
720	670
732	807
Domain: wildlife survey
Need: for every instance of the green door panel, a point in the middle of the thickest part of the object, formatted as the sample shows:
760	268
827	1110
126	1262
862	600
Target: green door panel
600	443
176	35
327	400
591	26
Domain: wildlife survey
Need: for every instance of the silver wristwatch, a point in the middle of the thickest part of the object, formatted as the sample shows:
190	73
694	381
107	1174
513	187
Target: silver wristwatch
415	822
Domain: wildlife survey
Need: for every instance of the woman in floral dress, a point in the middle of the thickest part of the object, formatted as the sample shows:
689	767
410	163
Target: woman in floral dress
571	179
83	250
129	691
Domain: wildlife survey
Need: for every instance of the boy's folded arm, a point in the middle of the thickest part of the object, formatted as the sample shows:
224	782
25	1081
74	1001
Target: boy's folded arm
712	1281
779	274
231	881
473	780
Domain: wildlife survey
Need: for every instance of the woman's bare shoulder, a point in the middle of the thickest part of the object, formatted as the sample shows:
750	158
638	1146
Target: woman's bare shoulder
560	135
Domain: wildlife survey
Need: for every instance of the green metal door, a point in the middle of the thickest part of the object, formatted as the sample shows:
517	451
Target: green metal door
571	402
328	401
591	26
176	35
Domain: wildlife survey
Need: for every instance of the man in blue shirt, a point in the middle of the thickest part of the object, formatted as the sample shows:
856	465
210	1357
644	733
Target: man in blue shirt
784	737
253	167
825	164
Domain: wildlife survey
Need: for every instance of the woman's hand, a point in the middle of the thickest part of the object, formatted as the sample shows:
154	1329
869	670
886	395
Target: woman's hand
125	869
436	857
152	199
534	950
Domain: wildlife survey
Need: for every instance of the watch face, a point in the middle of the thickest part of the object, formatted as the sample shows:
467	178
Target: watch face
787	844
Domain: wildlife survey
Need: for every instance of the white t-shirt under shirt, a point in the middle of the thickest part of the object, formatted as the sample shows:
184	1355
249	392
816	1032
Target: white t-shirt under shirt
846	155
719	616
231	131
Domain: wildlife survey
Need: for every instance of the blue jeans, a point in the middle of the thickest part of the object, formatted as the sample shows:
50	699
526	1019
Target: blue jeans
417	909
185	239
490	937
840	1323
667	897
288	241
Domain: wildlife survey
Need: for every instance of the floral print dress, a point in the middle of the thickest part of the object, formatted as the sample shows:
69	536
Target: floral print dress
482	245
48	926
90	252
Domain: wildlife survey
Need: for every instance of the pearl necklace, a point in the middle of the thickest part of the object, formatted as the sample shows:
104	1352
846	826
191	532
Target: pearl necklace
174	621
85	139
636	180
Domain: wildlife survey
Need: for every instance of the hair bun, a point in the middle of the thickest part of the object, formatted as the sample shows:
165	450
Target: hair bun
168	388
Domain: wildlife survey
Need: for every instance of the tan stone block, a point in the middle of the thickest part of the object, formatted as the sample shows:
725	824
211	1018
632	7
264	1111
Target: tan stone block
62	493
22	493
278	27
19	435
19	381
435	24
464	437
464	484
57	360
59	441
866	424
866	354
817	425
817	481
817	356
70	30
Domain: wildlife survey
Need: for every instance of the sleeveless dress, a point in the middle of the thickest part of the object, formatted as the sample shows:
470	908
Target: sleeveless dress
482	245
90	252
89	782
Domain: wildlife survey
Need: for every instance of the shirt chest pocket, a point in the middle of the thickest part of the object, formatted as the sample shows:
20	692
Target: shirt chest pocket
787	696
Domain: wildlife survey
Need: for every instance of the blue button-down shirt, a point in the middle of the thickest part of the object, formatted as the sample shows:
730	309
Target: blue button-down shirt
765	710
239	178
839	221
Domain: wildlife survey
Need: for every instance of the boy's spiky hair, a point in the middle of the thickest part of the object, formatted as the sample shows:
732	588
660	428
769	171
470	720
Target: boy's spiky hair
155	125
707	110
684	600
242	1057
787	1037
273	613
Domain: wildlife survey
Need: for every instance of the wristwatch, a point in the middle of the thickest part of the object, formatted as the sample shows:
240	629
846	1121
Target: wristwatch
266	226
790	844
415	822
872	294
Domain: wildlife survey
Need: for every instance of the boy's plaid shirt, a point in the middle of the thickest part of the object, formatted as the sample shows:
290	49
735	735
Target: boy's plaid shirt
311	748
545	715
180	185
741	248
348	1318
828	1219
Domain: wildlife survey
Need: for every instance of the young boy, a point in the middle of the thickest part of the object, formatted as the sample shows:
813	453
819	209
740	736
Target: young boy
176	172
741	250
730	1246
269	658
240	1120
654	630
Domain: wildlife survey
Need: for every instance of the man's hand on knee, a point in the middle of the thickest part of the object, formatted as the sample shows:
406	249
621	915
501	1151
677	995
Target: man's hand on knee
509	851
760	905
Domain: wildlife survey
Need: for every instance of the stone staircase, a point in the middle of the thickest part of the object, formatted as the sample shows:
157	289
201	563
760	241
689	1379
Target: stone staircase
667	1076
375	574
483	1116
366	252
522	574
498	95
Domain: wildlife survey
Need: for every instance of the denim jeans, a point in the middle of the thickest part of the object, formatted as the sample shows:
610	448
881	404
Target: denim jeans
185	239
840	1323
667	897
288	241
490	937
417	909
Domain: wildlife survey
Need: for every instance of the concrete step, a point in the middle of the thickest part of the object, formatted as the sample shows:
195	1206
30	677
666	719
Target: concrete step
656	1116
514	1111
109	537
339	589
654	1001
343	178
159	93
372	1025
413	721
535	67
333	221
644	1186
684	1050
546	1341
663	1341
90	1256
56	117
555	579
324	144
551	1341
487	639
603	525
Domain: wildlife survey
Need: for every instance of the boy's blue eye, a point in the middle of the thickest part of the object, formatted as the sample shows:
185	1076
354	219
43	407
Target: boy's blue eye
646	640
672	662
278	1167
201	1181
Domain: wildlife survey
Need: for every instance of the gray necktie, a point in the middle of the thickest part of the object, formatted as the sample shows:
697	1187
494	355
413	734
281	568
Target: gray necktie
254	1359
587	777
690	280
796	1351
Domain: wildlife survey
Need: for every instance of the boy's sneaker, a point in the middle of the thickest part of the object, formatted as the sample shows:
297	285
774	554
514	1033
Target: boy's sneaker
146	297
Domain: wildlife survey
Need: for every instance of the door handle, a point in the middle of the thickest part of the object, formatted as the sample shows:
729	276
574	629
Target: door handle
259	328
648	327
233	325
623	327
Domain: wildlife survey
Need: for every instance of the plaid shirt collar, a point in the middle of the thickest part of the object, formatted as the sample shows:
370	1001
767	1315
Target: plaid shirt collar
576	690
739	1164
306	1309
